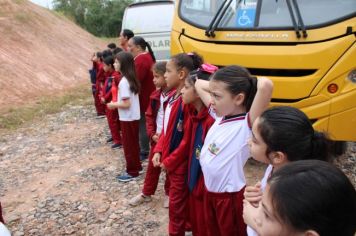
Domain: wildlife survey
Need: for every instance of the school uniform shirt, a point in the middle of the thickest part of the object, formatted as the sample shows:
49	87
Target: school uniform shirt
143	67
175	123
155	111
225	152
133	112
268	172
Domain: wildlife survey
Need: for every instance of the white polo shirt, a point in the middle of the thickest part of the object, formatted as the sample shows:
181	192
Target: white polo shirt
133	112
160	113
268	172
224	154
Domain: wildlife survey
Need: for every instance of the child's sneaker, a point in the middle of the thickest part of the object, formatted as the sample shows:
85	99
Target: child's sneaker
116	146
166	201
109	140
125	177
139	199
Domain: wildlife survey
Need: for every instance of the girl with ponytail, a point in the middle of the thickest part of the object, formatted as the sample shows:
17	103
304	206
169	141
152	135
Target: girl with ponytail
143	64
235	99
281	135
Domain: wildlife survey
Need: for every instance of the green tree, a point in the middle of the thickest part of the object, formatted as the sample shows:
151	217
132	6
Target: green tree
99	17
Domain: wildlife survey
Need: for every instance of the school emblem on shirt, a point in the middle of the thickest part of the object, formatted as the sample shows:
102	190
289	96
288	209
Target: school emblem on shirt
197	152
213	148
180	126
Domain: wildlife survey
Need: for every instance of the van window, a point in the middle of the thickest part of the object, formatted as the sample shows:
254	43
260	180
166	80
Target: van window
153	18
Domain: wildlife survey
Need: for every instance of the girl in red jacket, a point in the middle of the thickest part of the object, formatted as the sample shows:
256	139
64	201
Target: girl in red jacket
95	73
175	125
111	81
201	121
154	125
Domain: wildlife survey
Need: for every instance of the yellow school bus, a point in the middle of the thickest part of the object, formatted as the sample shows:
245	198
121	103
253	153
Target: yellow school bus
307	47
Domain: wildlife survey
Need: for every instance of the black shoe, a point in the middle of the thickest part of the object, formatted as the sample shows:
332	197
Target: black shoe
143	156
116	146
109	140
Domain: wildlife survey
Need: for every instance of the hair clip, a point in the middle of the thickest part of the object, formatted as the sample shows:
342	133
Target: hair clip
208	68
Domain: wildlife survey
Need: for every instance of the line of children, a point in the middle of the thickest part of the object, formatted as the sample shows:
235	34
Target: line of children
129	114
208	130
154	124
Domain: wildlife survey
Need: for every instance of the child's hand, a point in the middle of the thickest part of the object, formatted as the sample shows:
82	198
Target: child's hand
155	138
156	159
111	105
102	100
250	215
253	194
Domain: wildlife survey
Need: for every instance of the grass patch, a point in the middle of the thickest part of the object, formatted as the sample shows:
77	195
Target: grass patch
16	117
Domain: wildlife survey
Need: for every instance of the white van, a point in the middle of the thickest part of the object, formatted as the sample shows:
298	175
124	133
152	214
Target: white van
151	20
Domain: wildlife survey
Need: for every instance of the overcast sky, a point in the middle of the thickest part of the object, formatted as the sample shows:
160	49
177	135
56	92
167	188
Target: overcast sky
44	3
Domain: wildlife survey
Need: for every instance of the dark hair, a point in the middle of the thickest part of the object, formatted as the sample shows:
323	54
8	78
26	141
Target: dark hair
127	33
190	61
109	60
288	130
314	195
139	41
127	69
99	55
238	80
160	67
111	45
116	51
106	53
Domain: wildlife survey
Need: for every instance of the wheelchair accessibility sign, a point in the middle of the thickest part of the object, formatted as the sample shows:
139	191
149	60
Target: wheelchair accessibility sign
246	16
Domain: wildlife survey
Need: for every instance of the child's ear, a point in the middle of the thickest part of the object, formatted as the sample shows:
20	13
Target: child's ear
182	74
278	158
239	99
311	233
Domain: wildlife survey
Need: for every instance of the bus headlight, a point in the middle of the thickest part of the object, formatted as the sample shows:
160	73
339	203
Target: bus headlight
352	76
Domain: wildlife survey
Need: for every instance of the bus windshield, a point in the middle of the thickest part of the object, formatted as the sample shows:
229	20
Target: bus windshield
244	14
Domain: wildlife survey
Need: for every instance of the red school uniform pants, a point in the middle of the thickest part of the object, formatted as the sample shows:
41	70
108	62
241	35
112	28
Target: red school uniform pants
178	204
196	208
114	125
223	211
152	176
131	146
100	108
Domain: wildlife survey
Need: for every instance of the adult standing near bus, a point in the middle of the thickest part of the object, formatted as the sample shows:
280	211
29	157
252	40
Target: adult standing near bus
144	61
124	38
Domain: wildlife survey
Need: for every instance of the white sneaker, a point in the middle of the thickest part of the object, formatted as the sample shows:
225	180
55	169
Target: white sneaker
166	201
139	199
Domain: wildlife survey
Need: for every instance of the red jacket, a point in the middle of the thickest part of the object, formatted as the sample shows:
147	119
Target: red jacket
152	111
206	121
111	80
177	160
143	67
